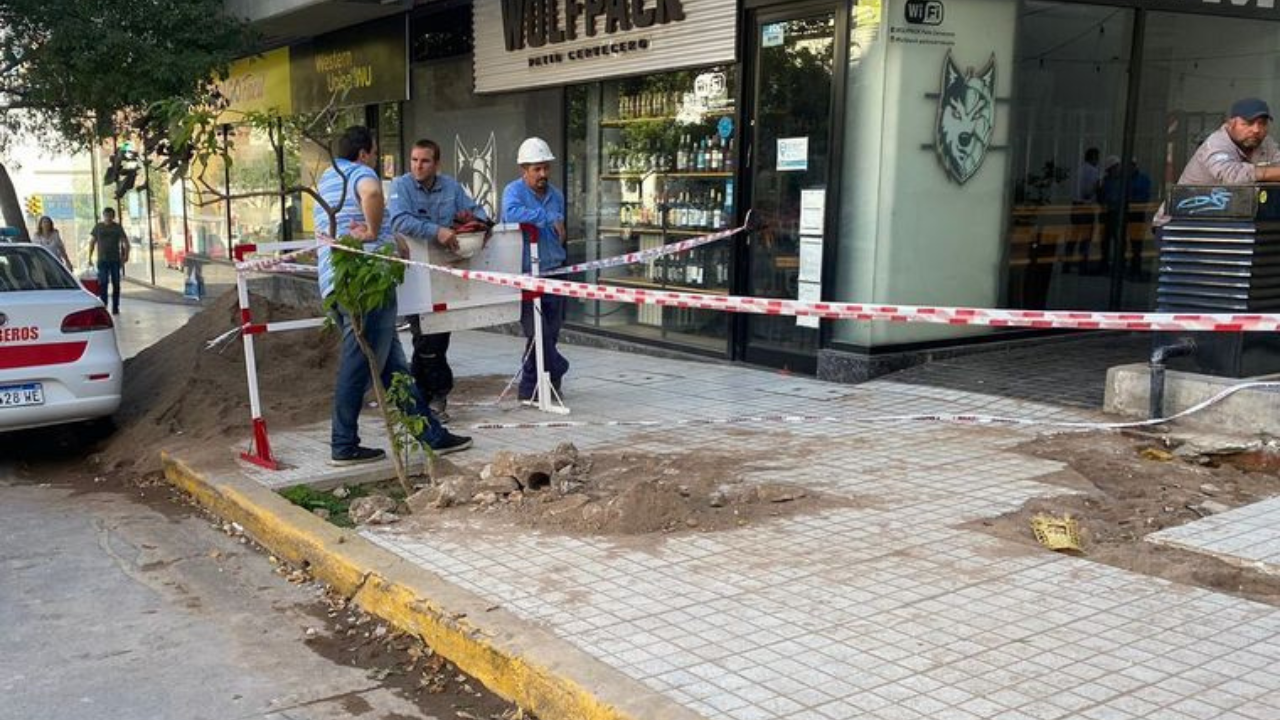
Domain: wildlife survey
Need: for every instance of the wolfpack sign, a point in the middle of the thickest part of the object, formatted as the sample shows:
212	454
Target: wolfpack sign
537	23
523	44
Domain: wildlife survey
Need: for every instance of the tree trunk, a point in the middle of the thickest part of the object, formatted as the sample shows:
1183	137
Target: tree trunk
357	327
10	208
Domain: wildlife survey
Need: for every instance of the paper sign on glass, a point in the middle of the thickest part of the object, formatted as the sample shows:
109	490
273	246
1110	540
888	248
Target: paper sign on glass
810	260
813	210
774	34
808	292
793	154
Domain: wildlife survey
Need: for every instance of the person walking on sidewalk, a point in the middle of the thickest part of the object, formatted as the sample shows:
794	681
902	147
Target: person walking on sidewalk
48	237
351	185
425	204
531	199
112	246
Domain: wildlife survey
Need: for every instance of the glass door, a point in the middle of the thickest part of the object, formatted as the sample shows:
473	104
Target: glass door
788	175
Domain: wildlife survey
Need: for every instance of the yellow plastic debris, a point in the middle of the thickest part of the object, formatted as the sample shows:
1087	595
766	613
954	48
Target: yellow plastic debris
1056	533
1156	454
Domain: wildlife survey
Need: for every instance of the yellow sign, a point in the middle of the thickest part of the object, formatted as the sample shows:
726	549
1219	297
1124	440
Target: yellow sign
259	83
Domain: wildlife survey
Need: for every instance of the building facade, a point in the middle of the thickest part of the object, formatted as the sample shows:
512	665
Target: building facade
985	153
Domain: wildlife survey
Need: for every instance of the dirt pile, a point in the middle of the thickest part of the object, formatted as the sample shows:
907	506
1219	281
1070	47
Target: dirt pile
1131	486
609	493
177	394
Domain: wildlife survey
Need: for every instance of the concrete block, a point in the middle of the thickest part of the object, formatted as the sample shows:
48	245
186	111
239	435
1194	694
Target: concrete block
1251	411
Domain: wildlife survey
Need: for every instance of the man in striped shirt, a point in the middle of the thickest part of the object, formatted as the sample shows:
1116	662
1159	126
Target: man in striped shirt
352	187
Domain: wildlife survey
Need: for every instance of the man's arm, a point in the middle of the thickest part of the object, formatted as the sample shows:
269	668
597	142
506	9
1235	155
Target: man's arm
372	204
403	219
1227	168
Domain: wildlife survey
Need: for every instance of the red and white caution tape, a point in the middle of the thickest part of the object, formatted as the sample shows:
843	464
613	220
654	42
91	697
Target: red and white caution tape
957	418
866	312
272	264
1060	319
652	253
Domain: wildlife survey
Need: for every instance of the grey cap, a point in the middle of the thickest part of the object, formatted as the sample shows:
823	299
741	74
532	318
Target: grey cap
1250	109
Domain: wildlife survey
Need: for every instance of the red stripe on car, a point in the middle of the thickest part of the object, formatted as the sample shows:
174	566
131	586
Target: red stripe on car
20	356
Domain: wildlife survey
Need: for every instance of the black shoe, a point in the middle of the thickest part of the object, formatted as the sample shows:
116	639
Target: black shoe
451	444
356	456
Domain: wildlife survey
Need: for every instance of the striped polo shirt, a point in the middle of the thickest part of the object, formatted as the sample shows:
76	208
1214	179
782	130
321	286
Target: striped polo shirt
330	188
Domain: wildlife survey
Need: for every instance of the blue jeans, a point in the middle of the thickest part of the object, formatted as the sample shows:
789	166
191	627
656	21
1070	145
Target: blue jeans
553	307
353	379
109	270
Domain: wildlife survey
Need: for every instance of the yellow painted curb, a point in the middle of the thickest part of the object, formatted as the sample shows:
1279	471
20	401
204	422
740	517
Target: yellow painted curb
515	659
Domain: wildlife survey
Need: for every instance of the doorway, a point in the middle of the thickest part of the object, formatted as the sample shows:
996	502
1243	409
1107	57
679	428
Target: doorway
794	76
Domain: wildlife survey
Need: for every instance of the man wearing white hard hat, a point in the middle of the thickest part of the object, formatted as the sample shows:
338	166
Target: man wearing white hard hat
531	199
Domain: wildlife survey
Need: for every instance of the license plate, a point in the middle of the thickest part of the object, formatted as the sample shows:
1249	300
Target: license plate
19	395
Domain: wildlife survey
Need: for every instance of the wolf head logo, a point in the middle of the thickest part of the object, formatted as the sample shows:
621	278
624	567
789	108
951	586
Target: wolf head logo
966	116
475	173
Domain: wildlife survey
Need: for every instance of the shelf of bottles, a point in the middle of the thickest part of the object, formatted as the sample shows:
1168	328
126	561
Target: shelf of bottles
664	179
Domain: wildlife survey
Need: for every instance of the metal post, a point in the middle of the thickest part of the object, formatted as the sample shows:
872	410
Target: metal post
260	449
544	392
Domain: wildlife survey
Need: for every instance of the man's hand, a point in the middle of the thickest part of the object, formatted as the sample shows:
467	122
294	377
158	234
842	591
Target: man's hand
448	238
361	232
560	231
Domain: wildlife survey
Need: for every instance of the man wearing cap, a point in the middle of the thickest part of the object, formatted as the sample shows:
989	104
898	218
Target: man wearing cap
532	200
1238	153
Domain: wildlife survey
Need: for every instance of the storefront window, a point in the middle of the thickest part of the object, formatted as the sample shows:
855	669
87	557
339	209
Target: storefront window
651	161
1193	68
1070	85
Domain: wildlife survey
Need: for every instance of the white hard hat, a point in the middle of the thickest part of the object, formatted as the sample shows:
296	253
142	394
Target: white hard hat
534	150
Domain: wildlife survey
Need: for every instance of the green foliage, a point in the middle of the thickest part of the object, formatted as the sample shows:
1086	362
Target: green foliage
309	498
79	71
408	427
362	283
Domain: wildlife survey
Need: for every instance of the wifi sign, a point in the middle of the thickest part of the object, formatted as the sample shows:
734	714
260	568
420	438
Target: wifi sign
924	12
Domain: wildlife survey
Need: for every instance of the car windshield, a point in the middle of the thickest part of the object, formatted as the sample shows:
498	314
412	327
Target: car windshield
26	267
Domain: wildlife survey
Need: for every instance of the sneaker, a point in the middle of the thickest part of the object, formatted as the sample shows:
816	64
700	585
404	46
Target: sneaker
451	444
356	456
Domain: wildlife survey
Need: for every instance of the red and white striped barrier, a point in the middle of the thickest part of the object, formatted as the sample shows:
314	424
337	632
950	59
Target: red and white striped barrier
867	312
652	253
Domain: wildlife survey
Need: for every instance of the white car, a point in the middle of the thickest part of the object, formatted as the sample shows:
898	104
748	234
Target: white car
59	361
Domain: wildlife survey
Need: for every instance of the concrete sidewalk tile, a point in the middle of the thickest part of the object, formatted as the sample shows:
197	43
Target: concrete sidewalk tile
884	609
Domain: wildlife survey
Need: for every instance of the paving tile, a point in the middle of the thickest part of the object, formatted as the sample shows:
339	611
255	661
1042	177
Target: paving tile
881	610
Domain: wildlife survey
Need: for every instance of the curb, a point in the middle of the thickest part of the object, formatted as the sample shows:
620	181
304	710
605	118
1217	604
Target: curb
514	658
